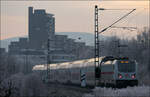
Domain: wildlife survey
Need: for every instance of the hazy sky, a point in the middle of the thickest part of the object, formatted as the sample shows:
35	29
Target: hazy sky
73	16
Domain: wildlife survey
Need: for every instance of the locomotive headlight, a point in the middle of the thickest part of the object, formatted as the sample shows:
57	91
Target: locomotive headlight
120	76
133	76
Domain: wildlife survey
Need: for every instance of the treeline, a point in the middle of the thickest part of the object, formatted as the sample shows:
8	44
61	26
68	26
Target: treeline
137	48
16	80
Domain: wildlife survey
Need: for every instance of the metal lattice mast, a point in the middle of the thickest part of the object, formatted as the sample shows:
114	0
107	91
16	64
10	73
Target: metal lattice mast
97	61
96	41
48	57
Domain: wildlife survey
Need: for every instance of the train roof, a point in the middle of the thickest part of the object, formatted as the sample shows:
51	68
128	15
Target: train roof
78	63
39	67
73	64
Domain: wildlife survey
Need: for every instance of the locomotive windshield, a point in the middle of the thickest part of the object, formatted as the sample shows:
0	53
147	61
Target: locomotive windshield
126	66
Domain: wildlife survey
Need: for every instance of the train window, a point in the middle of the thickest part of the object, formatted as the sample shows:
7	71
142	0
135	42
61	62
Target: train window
126	66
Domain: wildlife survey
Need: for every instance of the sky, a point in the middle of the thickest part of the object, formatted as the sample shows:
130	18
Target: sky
74	16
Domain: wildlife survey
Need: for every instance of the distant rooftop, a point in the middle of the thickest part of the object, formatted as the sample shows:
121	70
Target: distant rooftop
42	11
39	11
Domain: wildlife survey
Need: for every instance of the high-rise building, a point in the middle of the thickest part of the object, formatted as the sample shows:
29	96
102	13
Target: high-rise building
40	25
61	47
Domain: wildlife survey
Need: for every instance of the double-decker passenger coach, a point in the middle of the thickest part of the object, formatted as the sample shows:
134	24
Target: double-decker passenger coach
112	71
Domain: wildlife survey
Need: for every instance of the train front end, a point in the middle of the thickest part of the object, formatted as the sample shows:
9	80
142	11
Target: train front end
126	73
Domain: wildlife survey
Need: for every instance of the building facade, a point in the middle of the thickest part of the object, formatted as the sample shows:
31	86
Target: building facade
41	25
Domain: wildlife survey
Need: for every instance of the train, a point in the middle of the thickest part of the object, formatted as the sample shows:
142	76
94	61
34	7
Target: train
115	72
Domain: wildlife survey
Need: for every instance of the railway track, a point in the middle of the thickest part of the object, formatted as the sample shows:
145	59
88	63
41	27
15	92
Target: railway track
63	90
